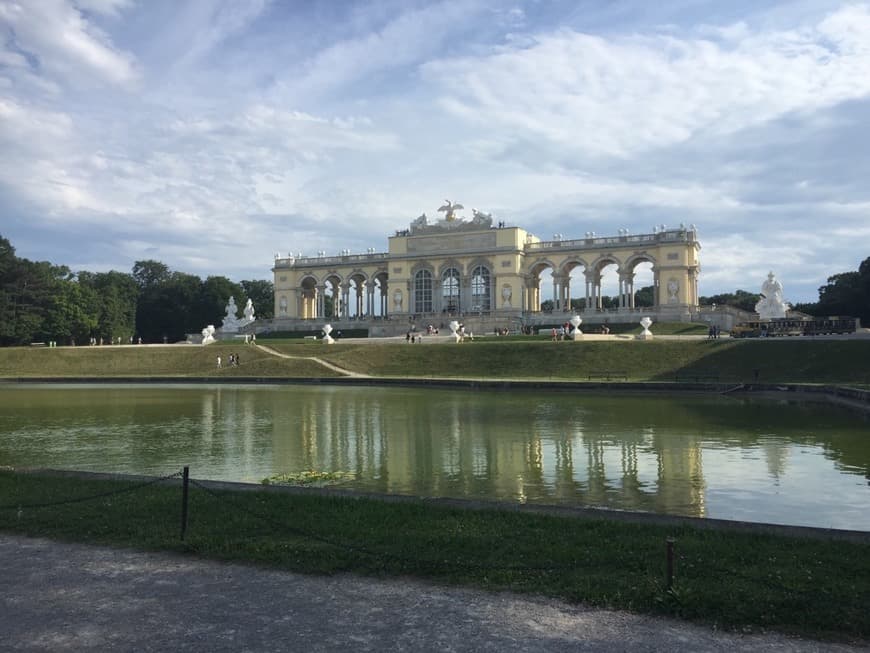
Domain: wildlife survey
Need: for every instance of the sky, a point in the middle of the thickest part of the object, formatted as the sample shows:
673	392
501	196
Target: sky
212	135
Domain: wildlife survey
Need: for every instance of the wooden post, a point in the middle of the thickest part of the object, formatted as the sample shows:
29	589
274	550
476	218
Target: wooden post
185	485
669	543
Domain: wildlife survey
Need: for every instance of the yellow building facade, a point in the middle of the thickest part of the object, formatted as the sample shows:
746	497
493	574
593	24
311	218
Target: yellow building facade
457	267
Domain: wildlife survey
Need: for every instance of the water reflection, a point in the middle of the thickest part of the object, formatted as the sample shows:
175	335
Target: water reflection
756	460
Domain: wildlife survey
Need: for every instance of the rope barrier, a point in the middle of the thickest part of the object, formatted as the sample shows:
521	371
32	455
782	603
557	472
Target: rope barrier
132	488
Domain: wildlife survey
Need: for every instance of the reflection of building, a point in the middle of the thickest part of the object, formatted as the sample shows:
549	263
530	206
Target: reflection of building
474	268
442	448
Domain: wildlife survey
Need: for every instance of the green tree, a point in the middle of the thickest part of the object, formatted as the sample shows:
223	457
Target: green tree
739	299
213	297
150	273
847	293
72	314
115	295
262	295
168	306
645	297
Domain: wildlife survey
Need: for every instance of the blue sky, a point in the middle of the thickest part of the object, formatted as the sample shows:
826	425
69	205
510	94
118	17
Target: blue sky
211	135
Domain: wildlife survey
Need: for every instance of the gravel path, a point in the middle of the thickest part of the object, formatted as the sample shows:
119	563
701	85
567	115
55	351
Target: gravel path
71	597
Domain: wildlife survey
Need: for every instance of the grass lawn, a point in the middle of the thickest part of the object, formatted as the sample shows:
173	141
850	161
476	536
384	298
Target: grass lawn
733	580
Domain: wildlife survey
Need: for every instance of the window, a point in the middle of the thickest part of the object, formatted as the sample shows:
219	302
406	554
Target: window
423	292
450	290
480	289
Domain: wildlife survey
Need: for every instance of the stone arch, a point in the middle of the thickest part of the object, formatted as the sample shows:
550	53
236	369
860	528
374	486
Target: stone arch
533	295
308	297
380	293
570	282
594	277
356	294
629	285
332	289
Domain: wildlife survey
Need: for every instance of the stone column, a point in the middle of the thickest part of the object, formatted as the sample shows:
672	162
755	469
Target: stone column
320	294
345	299
588	303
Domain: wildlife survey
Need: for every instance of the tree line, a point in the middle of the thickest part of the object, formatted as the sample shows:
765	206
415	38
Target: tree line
42	302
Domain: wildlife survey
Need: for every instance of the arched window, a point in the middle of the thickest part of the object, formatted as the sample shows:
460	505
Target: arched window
450	290
480	289
423	292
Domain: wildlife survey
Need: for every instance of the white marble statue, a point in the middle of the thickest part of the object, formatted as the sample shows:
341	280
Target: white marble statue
249	312
231	321
771	304
481	219
328	339
208	334
454	329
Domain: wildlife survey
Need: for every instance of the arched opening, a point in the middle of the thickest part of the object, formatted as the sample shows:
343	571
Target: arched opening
357	305
308	299
332	301
574	286
379	294
643	286
604	288
540	293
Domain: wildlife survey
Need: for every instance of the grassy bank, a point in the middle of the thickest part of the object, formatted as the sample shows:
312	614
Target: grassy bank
733	580
776	360
136	361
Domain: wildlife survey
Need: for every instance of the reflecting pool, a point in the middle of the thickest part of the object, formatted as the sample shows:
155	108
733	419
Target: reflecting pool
750	459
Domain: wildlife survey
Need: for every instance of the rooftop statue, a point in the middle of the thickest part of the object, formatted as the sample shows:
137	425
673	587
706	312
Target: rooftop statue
450	209
420	223
480	218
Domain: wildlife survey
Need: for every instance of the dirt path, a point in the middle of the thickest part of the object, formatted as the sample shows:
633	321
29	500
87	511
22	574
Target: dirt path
319	361
71	597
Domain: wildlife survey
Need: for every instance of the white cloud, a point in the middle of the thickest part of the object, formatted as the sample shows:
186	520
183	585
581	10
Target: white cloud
625	95
217	139
104	7
65	44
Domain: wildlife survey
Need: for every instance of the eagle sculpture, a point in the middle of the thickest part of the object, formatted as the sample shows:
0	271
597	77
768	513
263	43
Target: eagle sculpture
450	209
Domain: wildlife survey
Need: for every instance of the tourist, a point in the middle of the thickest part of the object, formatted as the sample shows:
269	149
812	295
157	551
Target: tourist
237	361
219	362
232	360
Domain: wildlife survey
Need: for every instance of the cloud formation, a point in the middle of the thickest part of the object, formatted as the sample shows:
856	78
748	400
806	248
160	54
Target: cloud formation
211	135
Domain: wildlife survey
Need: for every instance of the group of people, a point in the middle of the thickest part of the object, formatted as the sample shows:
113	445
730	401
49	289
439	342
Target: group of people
234	361
713	332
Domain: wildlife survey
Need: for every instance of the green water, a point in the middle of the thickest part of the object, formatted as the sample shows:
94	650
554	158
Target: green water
755	460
